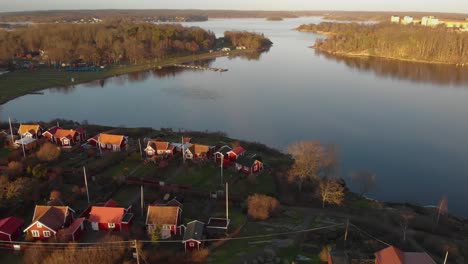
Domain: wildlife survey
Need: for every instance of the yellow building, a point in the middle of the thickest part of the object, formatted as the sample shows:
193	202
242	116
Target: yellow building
407	20
455	23
430	21
395	19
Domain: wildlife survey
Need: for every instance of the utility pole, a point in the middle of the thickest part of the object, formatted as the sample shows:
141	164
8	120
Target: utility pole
183	150
222	165
86	182
142	201
137	253
22	143
346	232
227	201
141	152
446	256
11	131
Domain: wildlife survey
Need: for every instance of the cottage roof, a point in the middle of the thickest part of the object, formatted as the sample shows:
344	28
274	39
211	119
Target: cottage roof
393	255
51	130
174	202
158	145
10	225
28	128
111	203
239	150
110	139
25	141
194	231
65	133
162	215
101	214
74	226
224	149
51	216
247	160
199	149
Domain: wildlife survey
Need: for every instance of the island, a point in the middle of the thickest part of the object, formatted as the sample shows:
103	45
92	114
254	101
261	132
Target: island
194	197
274	18
392	41
50	55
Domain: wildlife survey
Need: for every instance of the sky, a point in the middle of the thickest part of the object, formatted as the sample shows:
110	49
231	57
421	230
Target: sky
458	6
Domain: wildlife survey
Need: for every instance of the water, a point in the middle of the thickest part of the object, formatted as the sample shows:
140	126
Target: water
406	122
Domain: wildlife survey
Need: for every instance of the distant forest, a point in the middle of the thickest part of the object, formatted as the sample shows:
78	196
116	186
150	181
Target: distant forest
140	15
393	41
114	42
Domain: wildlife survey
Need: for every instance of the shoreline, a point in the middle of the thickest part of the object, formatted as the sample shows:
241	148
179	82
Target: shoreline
112	71
366	55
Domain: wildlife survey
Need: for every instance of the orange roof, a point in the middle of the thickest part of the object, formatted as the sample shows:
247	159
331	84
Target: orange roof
28	128
162	215
110	139
158	145
198	149
100	214
390	255
51	216
62	133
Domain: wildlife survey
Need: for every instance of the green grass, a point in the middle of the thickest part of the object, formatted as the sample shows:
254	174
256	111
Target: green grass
21	82
126	194
205	177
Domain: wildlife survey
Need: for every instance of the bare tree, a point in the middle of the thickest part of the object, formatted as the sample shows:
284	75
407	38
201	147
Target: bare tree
261	207
48	152
442	209
331	191
312	160
365	179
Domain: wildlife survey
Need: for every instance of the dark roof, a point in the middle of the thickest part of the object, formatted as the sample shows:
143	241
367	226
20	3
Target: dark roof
224	149
194	231
10	225
248	159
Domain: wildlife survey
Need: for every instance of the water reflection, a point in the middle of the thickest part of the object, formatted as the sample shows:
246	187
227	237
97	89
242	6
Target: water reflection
440	74
192	92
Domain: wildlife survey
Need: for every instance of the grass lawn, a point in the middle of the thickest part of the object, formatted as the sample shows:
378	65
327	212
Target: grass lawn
205	177
126	194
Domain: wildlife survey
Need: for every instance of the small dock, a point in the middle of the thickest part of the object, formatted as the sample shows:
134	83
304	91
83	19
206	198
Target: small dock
195	67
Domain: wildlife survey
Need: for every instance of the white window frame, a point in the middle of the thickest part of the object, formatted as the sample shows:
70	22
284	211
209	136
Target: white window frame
39	225
35	233
66	141
46	233
150	152
191	244
111	225
166	227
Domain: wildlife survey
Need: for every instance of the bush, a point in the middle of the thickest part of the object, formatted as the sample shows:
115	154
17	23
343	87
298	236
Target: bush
39	171
261	207
48	152
15	168
200	256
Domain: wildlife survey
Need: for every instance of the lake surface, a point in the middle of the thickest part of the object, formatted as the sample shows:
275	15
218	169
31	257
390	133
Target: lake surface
406	122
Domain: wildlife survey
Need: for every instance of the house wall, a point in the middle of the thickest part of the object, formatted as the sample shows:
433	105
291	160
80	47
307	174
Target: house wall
195	245
104	227
78	233
41	232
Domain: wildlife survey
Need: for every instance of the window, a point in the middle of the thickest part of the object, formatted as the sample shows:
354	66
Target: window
150	152
191	244
35	233
166	227
46	233
111	225
65	141
255	167
39	225
109	146
103	145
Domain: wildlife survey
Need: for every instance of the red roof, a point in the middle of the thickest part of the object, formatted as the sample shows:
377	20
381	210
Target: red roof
10	225
74	226
238	150
100	214
393	255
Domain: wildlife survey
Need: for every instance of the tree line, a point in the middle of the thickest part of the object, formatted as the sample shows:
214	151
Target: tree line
393	41
106	42
249	40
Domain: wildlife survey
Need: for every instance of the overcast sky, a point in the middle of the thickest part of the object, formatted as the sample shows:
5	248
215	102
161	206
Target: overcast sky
459	6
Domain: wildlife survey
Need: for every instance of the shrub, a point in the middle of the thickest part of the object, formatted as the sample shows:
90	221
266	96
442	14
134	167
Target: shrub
39	171
15	168
200	256
48	152
261	207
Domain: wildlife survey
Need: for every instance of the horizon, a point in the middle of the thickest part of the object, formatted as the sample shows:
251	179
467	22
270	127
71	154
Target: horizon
449	6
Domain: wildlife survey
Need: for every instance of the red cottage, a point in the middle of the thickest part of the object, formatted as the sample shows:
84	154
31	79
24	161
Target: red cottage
235	153
193	236
393	255
221	153
49	134
168	217
249	164
109	218
74	231
48	220
10	228
159	148
196	151
108	142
